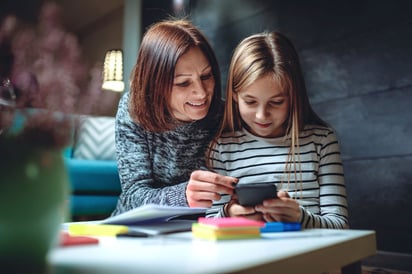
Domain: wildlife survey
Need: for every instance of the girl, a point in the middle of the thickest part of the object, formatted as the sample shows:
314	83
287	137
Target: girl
270	133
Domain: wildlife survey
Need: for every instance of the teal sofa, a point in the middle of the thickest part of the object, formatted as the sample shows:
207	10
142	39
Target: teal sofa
92	169
95	187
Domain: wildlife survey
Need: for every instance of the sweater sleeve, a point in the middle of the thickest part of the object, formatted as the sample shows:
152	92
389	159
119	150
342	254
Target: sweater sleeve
333	204
217	209
135	170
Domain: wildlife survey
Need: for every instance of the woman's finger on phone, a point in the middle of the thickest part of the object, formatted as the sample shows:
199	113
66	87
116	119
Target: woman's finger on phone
225	183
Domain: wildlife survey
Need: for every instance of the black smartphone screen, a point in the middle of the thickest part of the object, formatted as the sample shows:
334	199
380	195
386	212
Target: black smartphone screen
254	194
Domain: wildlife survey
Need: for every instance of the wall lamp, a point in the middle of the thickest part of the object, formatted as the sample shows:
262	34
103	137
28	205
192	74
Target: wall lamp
113	71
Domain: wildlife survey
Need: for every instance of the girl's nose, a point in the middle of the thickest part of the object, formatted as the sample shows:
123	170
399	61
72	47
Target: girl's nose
262	113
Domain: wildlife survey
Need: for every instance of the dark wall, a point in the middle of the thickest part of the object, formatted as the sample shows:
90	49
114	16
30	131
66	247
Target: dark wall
357	60
25	10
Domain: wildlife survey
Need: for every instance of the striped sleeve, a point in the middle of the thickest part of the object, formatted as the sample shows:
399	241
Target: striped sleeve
332	195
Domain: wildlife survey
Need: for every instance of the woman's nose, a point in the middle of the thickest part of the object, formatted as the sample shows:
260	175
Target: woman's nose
199	88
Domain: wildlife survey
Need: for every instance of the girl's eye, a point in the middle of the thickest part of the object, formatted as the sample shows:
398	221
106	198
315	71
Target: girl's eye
277	103
206	76
250	102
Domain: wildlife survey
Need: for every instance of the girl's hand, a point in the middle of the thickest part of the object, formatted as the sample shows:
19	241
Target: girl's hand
205	187
234	209
282	209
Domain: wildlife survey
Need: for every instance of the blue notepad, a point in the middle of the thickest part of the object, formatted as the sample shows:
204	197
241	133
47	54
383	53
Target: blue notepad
280	227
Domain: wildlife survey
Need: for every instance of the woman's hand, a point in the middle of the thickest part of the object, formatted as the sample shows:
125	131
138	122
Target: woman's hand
282	209
205	187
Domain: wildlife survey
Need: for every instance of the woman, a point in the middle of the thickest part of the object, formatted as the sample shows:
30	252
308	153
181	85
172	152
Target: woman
166	121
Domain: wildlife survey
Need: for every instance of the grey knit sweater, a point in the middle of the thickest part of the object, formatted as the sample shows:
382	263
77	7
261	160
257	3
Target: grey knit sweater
155	167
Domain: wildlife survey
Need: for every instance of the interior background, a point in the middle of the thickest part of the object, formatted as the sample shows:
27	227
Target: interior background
357	61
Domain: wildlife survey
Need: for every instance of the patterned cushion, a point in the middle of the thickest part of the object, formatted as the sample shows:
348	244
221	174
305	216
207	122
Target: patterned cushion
95	139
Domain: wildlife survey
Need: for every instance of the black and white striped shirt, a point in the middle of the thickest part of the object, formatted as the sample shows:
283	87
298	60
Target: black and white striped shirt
318	185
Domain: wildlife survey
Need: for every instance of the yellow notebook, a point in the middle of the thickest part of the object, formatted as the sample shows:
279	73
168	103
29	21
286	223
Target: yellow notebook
213	233
84	229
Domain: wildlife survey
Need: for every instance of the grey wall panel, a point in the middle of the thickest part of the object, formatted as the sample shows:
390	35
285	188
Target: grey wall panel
373	125
379	198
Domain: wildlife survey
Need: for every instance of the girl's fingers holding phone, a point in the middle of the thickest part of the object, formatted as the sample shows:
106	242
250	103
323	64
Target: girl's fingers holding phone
283	194
236	209
269	218
282	209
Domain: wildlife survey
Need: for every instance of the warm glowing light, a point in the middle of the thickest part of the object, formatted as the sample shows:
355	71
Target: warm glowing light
113	71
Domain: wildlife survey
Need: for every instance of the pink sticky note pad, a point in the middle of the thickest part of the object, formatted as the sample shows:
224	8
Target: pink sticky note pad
230	222
67	240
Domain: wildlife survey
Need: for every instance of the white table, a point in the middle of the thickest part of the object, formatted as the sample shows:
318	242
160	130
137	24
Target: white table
308	251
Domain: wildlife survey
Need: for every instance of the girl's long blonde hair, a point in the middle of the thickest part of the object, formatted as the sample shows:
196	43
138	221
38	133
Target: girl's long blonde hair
274	54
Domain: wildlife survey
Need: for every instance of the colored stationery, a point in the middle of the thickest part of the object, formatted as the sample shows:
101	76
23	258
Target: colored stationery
152	213
209	233
280	227
227	228
68	240
87	229
93	228
235	222
146	220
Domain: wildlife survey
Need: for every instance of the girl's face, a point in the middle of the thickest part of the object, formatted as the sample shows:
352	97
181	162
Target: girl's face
193	86
264	107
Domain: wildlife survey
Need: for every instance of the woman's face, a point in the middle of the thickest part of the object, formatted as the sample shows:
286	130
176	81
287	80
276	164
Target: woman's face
264	107
193	86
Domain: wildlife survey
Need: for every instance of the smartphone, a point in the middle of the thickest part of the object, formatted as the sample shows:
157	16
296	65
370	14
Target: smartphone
254	194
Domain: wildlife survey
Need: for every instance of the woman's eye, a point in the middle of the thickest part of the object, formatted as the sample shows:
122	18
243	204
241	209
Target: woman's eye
206	76
182	84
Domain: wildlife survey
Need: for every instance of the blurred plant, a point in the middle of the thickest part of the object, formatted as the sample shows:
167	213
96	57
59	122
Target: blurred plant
44	77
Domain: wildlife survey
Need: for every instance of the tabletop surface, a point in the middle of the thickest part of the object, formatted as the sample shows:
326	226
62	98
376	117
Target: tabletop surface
311	251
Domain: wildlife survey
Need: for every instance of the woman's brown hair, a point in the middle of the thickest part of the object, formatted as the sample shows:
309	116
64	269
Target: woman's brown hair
152	77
